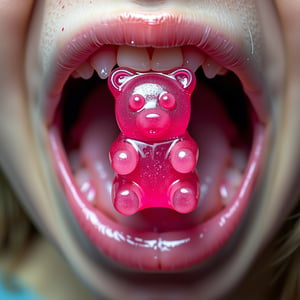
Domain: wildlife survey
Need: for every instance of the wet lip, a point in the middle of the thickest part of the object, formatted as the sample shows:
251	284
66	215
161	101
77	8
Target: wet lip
142	249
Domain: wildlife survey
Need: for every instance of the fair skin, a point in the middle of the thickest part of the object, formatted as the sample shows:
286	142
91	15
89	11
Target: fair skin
38	38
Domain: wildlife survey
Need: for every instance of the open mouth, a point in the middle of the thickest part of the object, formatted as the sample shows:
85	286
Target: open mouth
227	123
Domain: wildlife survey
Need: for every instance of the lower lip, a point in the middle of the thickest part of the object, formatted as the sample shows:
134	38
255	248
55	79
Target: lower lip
155	251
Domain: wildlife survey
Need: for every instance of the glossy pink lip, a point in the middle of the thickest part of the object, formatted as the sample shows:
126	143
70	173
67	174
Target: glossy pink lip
151	250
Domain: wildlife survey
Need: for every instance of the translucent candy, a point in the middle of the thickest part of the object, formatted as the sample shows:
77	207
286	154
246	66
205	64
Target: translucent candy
154	157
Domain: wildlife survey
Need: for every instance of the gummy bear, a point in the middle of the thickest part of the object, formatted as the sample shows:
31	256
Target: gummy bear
154	157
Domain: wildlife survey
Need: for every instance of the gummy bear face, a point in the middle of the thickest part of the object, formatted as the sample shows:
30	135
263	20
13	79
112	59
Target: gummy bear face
152	106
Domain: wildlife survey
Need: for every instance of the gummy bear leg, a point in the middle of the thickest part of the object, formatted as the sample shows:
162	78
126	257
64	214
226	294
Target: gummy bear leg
127	199
183	197
183	160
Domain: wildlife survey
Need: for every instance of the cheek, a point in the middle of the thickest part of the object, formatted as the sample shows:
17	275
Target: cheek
290	134
15	139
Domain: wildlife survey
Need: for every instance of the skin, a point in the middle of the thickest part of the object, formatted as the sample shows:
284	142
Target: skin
22	147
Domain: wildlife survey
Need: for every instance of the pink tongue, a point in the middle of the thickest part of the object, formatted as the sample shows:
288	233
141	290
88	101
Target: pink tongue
210	127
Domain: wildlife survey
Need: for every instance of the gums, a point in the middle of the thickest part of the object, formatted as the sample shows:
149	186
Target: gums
154	156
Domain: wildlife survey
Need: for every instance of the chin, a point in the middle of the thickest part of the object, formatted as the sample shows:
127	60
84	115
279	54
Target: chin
236	115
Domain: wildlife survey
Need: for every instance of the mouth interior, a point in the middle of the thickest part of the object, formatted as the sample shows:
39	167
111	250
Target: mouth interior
221	125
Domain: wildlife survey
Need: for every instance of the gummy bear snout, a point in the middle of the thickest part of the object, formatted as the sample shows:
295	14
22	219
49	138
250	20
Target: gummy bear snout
153	123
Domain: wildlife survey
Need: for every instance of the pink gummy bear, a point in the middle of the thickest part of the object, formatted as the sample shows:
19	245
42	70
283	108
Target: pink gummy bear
154	157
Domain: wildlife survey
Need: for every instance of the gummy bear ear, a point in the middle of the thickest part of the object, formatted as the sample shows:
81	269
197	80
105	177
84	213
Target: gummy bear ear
118	78
185	77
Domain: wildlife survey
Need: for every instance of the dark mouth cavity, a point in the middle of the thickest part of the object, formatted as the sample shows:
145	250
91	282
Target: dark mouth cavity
73	105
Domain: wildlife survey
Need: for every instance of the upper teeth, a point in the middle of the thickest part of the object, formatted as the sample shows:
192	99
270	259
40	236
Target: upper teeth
141	59
166	59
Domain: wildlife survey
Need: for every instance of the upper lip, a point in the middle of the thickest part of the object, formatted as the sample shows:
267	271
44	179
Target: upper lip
233	54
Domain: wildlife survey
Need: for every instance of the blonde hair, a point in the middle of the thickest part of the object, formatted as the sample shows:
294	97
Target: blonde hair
286	259
16	229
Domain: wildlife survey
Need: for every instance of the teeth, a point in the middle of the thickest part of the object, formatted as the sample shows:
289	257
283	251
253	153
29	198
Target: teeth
193	58
166	59
104	60
84	182
232	180
135	58
233	175
146	59
85	71
211	68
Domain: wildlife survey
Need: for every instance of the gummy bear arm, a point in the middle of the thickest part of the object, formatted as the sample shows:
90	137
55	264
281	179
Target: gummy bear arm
184	155
123	157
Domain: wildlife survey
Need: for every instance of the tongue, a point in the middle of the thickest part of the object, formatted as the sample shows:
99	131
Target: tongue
210	127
